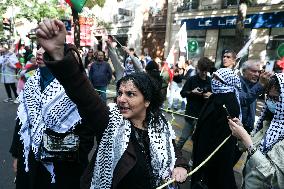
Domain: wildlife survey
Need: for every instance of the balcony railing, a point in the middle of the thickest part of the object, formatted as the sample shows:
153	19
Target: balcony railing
156	20
187	5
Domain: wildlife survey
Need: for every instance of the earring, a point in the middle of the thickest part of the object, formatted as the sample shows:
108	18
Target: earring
147	104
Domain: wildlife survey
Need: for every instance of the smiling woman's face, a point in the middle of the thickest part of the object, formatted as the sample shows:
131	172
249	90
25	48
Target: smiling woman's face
131	102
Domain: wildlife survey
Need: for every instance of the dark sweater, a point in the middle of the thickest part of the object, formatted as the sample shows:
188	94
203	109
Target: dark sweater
100	74
195	102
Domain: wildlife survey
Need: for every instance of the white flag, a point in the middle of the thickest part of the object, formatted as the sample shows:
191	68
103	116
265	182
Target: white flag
182	38
171	56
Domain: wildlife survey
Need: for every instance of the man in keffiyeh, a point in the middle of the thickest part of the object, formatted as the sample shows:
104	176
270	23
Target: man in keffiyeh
212	128
264	168
45	105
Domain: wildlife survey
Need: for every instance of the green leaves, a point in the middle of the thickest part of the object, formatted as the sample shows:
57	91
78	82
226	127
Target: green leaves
31	9
91	3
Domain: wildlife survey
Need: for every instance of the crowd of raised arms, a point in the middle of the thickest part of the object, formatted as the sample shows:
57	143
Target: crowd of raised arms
64	106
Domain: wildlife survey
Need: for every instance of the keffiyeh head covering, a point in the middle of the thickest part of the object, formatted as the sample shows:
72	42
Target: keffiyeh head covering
129	68
228	82
275	131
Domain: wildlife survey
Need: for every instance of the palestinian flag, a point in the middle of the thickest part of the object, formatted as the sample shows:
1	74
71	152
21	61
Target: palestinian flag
76	4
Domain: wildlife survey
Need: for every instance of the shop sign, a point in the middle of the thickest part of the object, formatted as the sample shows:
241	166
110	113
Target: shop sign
264	20
192	46
280	50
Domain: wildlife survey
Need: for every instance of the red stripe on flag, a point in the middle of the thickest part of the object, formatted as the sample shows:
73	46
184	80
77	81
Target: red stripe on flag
69	2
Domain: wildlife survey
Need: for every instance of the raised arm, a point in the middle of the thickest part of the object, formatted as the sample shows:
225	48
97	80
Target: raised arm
271	163
248	97
136	63
64	63
119	69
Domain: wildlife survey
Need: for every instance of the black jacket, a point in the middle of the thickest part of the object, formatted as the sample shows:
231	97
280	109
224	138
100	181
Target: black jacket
195	102
211	129
68	174
96	113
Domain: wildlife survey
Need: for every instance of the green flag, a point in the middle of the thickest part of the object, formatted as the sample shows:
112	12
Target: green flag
76	4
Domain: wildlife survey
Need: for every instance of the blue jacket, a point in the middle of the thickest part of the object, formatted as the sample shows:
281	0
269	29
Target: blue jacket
248	96
100	74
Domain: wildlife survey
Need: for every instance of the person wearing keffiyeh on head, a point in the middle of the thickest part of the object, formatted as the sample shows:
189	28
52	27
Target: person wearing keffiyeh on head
212	128
43	106
264	168
131	64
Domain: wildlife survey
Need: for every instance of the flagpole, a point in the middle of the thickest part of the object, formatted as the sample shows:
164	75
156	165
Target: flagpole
116	40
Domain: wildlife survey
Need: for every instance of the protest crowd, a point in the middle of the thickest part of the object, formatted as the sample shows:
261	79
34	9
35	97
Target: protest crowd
63	107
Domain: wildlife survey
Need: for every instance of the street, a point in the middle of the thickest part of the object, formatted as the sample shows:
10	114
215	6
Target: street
7	119
7	123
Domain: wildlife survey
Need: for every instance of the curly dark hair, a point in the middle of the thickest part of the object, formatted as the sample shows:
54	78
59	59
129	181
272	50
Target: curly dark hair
150	89
273	82
204	64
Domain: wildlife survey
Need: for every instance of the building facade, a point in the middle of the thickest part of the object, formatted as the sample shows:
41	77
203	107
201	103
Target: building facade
212	23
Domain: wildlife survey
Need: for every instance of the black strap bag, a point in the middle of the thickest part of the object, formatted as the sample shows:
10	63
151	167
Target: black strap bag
59	146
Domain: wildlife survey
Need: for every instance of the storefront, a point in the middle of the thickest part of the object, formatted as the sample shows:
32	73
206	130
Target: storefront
216	33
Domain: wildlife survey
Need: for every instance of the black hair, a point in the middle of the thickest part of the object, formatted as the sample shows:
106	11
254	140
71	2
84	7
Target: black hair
150	89
232	52
187	62
151	65
204	64
273	82
152	69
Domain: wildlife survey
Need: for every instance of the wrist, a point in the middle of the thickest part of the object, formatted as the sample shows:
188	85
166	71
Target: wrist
251	150
58	54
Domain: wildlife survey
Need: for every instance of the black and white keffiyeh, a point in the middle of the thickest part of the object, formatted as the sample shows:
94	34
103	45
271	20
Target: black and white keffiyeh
230	82
115	141
275	131
38	111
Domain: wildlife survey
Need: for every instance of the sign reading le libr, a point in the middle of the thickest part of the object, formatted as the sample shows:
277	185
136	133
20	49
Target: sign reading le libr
262	20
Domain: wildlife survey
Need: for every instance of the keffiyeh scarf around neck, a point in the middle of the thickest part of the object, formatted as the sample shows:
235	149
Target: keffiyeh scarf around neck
38	111
230	82
275	132
115	141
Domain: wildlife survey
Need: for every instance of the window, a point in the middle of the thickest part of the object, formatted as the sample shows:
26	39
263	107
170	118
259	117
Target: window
230	3
187	5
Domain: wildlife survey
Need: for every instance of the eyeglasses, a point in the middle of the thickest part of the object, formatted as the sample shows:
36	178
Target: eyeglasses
227	56
273	98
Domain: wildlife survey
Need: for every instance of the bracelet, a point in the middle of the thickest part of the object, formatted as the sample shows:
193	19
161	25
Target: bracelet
251	150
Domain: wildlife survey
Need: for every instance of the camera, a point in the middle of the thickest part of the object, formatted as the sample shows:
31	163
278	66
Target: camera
200	90
203	90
